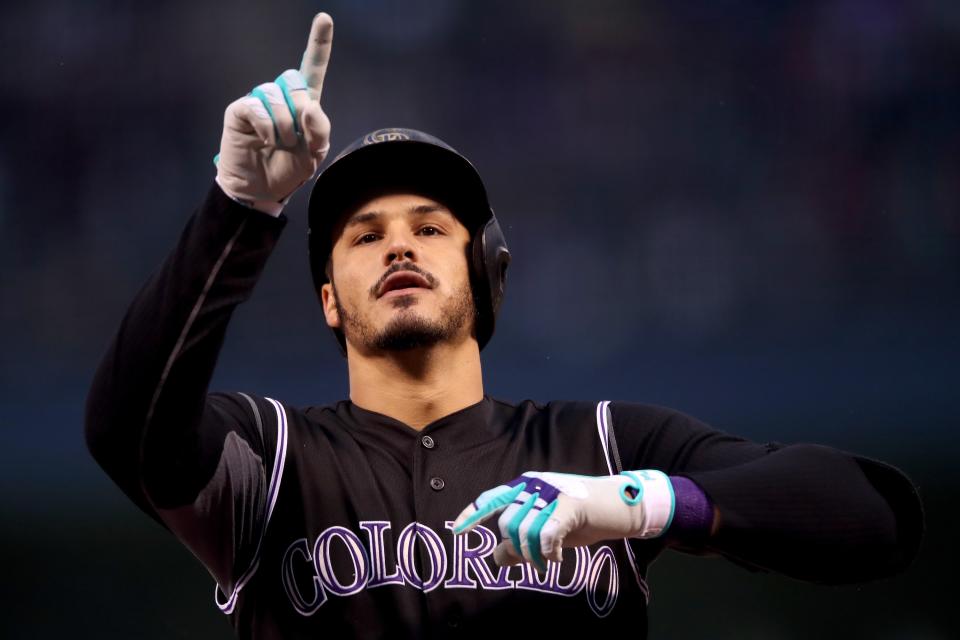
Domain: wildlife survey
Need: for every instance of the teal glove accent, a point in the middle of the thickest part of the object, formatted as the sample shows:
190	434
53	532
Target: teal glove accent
291	80
635	485
262	97
513	529
533	536
490	501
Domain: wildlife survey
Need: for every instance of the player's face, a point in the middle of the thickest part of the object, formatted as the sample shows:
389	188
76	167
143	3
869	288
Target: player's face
400	278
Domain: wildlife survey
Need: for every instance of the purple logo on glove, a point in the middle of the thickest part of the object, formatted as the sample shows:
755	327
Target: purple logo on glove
548	492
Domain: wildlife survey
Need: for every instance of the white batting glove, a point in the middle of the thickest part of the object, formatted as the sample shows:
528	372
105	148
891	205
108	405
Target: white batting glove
542	513
275	138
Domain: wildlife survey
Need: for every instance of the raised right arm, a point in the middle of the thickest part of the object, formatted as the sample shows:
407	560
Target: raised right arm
148	399
203	465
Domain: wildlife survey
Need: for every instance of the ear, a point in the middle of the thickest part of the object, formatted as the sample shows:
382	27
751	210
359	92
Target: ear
329	301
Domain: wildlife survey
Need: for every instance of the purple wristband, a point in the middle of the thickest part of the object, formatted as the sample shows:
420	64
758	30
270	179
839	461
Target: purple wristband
693	511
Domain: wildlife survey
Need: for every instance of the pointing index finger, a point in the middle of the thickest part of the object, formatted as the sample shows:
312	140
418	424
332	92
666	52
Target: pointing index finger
313	67
486	505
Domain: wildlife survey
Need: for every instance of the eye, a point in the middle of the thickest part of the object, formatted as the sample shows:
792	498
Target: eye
367	238
429	230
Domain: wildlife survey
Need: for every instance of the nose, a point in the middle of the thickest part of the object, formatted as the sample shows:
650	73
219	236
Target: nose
399	249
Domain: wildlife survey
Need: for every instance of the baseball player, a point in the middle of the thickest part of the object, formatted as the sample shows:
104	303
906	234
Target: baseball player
420	507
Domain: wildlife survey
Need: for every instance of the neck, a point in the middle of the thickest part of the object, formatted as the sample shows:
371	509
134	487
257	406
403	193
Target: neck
418	386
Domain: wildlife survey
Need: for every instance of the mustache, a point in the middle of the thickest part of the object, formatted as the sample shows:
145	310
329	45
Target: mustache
402	266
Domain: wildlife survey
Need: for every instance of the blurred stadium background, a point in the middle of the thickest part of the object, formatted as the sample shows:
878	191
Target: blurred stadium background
748	211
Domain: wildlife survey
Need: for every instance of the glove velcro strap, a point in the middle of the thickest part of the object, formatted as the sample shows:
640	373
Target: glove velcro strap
653	492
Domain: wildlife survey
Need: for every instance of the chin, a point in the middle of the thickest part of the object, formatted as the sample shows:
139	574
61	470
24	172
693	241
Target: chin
411	331
404	301
410	322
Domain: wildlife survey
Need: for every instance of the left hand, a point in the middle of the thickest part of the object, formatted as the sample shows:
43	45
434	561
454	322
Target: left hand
543	512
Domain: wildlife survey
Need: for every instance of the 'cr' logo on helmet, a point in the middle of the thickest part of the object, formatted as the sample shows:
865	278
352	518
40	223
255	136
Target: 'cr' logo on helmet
385	135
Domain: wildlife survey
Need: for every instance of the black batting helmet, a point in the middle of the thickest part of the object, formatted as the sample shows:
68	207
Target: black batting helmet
406	159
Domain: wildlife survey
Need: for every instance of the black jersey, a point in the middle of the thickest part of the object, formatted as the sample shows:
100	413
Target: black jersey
336	521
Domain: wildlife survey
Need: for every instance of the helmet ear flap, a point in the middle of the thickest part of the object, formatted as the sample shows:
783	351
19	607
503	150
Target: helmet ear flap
490	258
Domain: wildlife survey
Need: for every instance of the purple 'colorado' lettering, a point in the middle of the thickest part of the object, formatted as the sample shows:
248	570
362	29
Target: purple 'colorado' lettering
358	555
581	565
406	552
297	556
603	556
550	582
378	562
529	579
472	558
308	574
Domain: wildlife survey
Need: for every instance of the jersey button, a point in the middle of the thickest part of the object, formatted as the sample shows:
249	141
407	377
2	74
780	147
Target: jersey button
428	442
436	483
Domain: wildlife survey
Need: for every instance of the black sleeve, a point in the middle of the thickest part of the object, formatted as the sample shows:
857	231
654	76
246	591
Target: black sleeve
804	510
195	462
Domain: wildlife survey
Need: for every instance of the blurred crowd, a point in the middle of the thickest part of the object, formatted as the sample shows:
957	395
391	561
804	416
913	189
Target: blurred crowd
704	165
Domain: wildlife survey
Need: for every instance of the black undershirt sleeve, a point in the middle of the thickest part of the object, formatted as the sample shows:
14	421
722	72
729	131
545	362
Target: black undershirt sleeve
804	510
195	462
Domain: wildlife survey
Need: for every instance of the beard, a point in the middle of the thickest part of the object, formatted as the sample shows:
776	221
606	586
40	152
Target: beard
408	329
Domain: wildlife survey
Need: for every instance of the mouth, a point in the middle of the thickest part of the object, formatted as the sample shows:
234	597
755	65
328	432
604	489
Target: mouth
403	283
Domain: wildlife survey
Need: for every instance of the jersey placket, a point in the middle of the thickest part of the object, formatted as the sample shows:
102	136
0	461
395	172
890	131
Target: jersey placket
431	505
427	486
